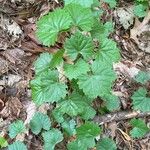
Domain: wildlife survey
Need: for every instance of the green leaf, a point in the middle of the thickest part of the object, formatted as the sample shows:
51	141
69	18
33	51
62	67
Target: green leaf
86	134
42	63
74	107
57	59
39	121
140	100
69	127
88	130
16	128
77	69
49	26
142	77
111	102
82	144
108	52
139	128
99	30
81	17
106	144
88	114
84	3
99	83
58	116
79	44
17	146
46	88
51	138
112	3
140	10
3	142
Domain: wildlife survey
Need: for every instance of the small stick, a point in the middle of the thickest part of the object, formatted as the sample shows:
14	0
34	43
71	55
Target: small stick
117	116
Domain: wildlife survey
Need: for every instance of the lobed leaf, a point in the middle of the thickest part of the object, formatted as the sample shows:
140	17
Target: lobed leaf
99	83
79	44
51	138
81	17
49	26
142	77
69	127
39	121
140	100
83	3
139	128
46	88
105	144
16	128
17	146
3	142
108	52
77	69
42	63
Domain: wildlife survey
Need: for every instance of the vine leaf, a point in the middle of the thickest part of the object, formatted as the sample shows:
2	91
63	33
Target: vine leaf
79	44
108	51
84	3
111	102
46	88
86	134
16	128
105	144
140	10
76	105
17	146
99	30
3	142
142	77
99	83
77	69
39	121
112	3
42	63
139	128
49	26
69	127
140	100
51	138
81	17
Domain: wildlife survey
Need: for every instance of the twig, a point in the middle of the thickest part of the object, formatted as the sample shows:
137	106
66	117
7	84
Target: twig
117	116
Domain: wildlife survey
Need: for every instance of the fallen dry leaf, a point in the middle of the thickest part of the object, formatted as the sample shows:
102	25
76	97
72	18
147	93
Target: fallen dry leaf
14	55
3	66
30	110
130	71
12	108
141	33
12	79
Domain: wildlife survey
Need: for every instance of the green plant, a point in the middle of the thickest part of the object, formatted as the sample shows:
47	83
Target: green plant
16	128
141	100
3	142
139	128
140	8
105	144
17	146
72	78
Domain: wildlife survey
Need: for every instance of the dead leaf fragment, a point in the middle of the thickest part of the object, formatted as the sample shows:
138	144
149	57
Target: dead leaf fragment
130	71
30	110
14	55
12	79
141	33
126	16
3	66
12	108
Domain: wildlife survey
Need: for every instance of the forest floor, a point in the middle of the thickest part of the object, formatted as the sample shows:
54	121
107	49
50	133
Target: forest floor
19	48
